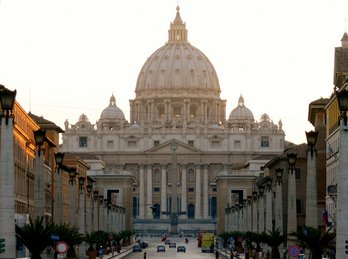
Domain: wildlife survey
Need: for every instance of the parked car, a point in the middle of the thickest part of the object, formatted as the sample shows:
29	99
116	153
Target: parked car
172	245
181	249
137	248
161	248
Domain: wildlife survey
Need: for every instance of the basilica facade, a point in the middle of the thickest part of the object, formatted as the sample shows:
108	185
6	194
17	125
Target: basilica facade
180	159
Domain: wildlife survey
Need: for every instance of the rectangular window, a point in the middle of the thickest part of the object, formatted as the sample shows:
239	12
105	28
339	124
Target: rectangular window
215	143
156	189
156	143
237	144
191	189
264	142
82	141
214	189
132	143
110	144
191	143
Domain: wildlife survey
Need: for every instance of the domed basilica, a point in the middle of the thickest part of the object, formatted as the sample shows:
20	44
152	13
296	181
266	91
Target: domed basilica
178	162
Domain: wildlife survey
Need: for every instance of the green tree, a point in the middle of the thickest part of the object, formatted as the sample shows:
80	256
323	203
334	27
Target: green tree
273	238
35	235
316	240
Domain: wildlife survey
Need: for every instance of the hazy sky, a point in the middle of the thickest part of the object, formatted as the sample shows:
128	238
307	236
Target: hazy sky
67	57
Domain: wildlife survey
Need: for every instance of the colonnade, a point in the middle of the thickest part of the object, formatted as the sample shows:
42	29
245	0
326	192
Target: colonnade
261	212
200	183
188	109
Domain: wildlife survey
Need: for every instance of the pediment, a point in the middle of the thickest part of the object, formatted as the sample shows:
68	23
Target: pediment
180	148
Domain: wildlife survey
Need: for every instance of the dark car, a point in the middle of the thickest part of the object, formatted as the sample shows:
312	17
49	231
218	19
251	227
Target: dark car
167	241
172	245
137	248
161	248
181	249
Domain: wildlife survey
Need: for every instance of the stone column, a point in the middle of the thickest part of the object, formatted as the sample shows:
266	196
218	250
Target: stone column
184	190
312	213
149	192
198	211
141	192
164	190
39	187
89	222
7	190
58	203
72	209
292	216
278	204
261	214
249	213
82	220
95	214
269	212
254	217
205	192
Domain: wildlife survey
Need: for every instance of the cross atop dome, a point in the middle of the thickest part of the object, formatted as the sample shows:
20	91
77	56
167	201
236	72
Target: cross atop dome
177	32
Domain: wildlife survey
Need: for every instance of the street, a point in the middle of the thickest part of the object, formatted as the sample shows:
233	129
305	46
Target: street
192	251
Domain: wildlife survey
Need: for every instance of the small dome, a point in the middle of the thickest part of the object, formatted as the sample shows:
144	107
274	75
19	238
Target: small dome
241	113
112	112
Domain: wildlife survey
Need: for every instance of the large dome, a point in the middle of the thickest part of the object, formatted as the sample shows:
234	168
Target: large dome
177	68
112	112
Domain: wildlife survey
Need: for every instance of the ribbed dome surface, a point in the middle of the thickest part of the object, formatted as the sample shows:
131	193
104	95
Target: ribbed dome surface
241	113
177	66
112	112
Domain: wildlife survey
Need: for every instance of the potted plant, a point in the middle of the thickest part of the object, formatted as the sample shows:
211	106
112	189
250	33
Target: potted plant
91	239
36	236
274	239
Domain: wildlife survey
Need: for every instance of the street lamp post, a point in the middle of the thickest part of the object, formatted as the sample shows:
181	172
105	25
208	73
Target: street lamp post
39	187
72	211
278	204
292	215
7	175
89	204
269	211
342	178
58	203
311	185
82	213
95	214
262	209
254	226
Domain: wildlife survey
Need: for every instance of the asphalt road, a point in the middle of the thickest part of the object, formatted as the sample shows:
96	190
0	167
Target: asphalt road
192	251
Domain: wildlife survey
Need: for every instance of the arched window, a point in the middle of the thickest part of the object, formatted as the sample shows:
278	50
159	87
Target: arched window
191	211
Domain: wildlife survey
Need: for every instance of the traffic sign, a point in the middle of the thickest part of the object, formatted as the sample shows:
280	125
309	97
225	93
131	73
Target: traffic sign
294	250
62	247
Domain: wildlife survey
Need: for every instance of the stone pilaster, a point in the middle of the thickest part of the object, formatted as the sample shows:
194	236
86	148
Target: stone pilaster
198	210
205	192
184	190
254	218
163	190
149	192
141	192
